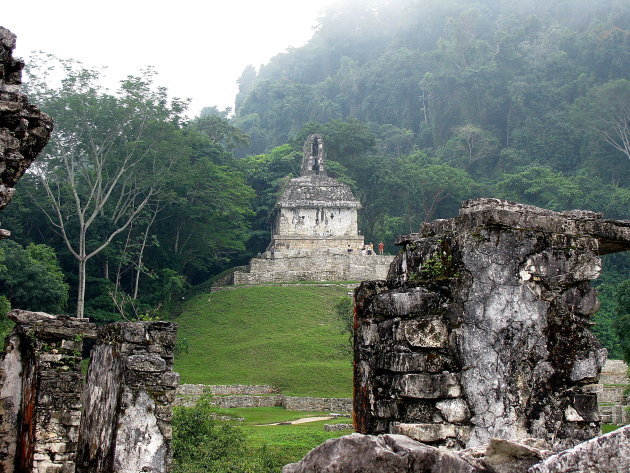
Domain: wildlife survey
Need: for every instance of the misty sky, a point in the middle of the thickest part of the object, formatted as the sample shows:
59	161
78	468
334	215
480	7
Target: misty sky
199	48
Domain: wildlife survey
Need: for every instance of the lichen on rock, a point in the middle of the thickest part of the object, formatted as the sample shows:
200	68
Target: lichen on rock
481	329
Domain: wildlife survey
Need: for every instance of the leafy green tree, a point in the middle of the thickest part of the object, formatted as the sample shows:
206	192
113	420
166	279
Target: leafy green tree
470	144
202	446
204	224
220	130
347	141
344	311
31	278
101	165
5	324
394	141
424	185
541	186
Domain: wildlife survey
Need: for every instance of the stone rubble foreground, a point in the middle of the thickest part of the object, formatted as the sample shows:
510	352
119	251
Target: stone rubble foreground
391	453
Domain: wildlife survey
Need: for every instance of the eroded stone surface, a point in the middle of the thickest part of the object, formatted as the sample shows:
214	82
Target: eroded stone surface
397	453
608	453
371	454
131	388
496	301
40	392
24	129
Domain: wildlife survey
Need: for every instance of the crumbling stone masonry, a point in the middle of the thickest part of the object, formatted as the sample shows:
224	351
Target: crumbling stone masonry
24	129
481	329
612	395
130	390
119	421
40	392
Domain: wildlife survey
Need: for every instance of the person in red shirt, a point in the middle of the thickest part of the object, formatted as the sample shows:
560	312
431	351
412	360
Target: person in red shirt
381	247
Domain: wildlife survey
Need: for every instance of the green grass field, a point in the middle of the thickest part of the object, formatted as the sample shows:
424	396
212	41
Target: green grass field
288	337
288	442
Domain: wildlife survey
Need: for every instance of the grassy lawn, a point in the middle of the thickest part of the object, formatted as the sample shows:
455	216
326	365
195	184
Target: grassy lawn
288	442
606	428
288	337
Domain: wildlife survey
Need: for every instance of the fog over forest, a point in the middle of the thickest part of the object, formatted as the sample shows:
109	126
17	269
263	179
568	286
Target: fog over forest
422	104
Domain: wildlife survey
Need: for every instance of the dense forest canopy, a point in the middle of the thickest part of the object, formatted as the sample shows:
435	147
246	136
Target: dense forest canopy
422	103
427	102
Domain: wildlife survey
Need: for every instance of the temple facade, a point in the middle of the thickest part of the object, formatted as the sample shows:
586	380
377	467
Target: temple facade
315	231
316	212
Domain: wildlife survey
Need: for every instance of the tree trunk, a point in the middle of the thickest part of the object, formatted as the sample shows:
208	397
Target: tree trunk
81	290
82	264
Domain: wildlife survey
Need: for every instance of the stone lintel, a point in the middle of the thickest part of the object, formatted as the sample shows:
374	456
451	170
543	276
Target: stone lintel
612	235
318	204
52	326
325	240
407	302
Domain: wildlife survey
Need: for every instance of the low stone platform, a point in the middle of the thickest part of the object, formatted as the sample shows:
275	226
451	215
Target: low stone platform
238	396
315	267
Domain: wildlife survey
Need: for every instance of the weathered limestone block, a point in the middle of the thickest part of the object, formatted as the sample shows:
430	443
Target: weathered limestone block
40	392
125	425
397	453
430	433
24	129
385	453
504	456
426	333
11	370
609	453
483	322
417	301
454	410
429	386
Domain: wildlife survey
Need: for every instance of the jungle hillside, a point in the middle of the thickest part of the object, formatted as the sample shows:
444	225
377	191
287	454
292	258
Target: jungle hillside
134	206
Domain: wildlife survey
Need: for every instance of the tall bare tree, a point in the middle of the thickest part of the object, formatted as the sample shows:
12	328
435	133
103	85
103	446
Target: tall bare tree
102	167
606	110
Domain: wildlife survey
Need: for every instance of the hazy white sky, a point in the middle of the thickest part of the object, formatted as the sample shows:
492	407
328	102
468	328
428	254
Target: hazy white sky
199	48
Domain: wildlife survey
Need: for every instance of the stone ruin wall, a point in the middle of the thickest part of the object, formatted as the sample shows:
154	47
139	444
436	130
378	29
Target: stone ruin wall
51	420
238	396
40	392
24	129
323	222
482	328
47	423
614	402
126	423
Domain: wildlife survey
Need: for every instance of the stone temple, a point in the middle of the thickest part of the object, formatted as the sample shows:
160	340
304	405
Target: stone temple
315	231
